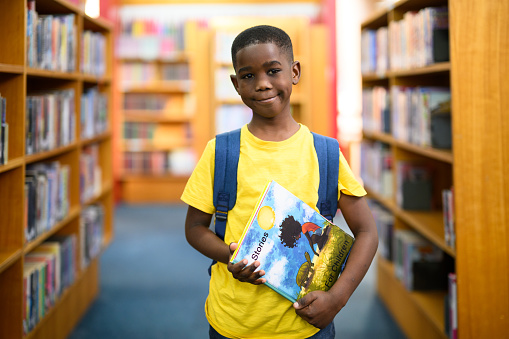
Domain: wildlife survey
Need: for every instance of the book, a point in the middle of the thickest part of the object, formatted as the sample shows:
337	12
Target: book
299	249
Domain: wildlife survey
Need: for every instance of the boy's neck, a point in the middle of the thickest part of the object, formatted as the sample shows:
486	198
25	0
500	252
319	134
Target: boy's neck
273	129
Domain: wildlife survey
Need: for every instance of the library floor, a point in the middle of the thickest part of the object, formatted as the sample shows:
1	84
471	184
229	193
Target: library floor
153	285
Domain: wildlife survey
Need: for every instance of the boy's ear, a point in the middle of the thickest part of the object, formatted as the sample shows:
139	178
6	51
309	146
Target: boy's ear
235	83
295	72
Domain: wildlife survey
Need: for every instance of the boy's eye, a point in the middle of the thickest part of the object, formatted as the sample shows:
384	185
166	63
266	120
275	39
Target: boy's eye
247	76
274	71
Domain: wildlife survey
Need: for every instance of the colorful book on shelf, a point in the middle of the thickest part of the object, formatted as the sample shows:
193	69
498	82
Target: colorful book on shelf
299	250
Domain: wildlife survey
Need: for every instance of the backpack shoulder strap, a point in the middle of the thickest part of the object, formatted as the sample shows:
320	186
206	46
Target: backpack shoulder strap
225	177
327	151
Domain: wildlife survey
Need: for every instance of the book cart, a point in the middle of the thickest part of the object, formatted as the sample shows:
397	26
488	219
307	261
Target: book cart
474	167
18	80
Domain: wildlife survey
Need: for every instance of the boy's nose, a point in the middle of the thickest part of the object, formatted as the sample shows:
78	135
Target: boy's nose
263	84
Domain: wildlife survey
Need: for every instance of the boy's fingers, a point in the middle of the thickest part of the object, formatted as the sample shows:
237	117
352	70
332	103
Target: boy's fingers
233	247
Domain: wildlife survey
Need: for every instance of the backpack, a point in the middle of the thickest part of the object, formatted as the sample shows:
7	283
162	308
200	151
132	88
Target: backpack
226	160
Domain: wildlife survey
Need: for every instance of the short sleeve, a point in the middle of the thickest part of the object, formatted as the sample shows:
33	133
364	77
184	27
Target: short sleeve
199	188
348	184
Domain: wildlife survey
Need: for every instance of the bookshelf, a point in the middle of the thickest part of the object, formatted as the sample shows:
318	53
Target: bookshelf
473	165
60	143
310	97
164	124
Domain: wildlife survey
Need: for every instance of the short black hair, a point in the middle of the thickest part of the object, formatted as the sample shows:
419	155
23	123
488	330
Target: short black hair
262	34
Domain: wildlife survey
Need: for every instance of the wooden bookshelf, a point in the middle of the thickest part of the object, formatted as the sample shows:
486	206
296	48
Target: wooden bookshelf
310	97
183	117
475	167
17	81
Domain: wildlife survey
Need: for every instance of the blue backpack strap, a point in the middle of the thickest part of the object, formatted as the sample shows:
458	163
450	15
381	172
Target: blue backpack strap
327	151
225	178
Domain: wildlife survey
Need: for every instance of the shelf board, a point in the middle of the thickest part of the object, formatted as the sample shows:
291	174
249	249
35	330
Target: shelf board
155	116
11	164
430	303
147	146
57	7
176	57
170	86
74	212
44	73
15	69
428	224
47	154
97	138
7	257
441	67
96	24
126	177
103	80
432	153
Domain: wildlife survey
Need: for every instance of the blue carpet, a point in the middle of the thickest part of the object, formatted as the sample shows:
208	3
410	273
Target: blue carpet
153	285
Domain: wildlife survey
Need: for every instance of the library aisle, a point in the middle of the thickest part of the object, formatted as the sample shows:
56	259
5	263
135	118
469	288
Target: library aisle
165	297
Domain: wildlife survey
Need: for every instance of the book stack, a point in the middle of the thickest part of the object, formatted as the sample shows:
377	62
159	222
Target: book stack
47	271
451	307
231	117
4	132
91	233
46	197
418	263
51	42
94	113
50	121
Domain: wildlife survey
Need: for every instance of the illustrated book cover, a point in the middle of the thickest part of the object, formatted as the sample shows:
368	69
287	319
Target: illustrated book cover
299	249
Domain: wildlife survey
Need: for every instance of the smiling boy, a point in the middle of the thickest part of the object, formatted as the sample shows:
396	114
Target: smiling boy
273	146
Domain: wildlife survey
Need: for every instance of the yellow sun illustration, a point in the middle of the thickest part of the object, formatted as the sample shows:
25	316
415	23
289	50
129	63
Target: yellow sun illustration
266	217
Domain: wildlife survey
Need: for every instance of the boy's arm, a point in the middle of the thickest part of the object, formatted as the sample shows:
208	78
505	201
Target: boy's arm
319	308
201	237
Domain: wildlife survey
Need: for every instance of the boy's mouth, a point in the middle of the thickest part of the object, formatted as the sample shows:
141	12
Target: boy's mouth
267	100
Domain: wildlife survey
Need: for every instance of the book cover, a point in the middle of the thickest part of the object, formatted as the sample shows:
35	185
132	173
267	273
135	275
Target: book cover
299	250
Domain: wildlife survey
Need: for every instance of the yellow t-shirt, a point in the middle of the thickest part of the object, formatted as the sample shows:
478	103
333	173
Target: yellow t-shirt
242	310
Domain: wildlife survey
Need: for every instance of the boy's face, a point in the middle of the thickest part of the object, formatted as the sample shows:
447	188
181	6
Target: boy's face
264	79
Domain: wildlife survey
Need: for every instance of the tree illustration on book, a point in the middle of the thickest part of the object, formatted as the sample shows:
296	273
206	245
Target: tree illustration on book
294	265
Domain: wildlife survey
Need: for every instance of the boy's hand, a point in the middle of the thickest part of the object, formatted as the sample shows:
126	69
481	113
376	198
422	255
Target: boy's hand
317	308
244	273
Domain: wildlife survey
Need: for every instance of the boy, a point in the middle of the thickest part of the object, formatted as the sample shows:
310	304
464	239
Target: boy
273	147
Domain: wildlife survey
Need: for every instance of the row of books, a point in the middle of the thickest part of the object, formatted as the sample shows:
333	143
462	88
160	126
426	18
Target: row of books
376	163
421	115
230	117
151	39
176	162
384	220
93	53
50	120
48	271
46	200
159	136
414	186
91	233
376	115
51	40
421	38
451	307
139	130
223	44
94	113
4	132
142	73
418	263
90	173
167	104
